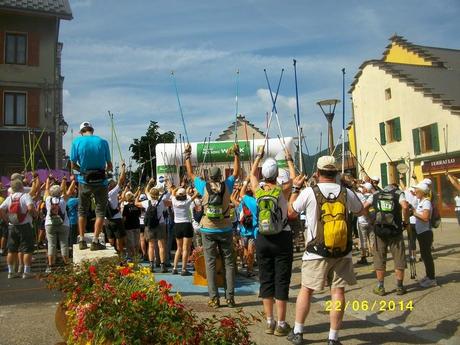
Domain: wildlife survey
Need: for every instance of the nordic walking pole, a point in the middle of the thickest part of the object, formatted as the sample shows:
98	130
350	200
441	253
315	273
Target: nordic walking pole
277	89
304	141
236	104
247	140
337	144
180	107
343	122
372	161
116	138
111	127
24	152
29	161
209	146
383	150
30	153
44	157
151	161
298	113
365	157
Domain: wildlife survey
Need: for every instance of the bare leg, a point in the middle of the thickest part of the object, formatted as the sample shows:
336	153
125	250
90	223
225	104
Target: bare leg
179	253
81	226
268	307
302	306
151	251
143	245
98	224
186	252
336	314
250	256
162	249
281	310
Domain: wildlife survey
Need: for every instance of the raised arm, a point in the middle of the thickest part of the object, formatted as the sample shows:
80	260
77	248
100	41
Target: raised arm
255	166
71	189
188	162
236	161
297	184
244	187
149	186
47	186
64	185
453	180
122	178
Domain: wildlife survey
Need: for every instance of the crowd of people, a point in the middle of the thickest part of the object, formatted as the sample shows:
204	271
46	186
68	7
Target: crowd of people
251	218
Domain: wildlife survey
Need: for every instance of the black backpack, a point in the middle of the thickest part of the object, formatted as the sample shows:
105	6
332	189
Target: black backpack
151	219
388	216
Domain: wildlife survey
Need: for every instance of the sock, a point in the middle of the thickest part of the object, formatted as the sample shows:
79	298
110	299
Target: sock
20	267
26	269
333	334
270	320
152	263
298	328
95	240
380	284
11	269
281	323
399	283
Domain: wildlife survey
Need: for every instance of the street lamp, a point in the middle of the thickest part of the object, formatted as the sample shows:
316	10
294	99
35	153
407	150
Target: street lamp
328	108
63	127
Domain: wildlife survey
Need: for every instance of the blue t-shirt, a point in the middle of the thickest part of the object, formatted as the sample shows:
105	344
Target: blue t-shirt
200	186
251	204
72	210
90	152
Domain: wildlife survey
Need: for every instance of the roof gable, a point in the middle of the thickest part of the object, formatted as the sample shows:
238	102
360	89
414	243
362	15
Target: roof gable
242	121
54	8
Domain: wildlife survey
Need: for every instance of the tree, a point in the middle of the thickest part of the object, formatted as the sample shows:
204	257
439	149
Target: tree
140	149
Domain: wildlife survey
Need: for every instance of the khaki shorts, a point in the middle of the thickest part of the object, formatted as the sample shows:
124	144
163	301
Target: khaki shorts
333	272
100	194
397	250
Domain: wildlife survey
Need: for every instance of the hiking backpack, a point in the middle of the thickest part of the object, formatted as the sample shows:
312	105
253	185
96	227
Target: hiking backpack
435	219
388	216
246	218
334	232
215	207
56	215
269	214
15	214
151	219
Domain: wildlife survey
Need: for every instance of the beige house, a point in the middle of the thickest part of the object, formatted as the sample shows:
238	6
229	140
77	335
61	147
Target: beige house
31	84
409	102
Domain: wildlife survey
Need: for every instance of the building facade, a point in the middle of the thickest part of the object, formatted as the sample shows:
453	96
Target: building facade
406	109
31	113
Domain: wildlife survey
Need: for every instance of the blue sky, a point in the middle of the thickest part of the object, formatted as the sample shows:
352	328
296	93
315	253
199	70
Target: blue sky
118	56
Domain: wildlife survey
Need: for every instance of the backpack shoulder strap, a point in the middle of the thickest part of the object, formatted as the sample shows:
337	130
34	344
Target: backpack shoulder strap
320	198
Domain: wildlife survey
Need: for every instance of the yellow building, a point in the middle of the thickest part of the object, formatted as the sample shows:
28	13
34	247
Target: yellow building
409	102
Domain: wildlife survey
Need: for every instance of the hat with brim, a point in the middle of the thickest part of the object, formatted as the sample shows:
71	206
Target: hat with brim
270	169
86	125
326	163
215	173
422	187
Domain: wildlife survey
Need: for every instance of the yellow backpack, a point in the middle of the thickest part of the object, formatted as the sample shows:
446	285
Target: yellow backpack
333	237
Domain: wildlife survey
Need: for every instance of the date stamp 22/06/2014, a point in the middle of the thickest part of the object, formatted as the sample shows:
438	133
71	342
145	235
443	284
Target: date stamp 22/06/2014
364	305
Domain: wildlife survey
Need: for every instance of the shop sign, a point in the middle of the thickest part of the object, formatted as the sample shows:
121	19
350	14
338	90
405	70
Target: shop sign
441	165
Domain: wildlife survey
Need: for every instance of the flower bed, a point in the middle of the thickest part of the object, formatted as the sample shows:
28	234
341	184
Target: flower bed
105	303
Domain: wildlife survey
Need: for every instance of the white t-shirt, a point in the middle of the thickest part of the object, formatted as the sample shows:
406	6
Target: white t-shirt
307	201
420	225
181	210
457	203
365	198
160	208
113	201
25	201
412	200
62	205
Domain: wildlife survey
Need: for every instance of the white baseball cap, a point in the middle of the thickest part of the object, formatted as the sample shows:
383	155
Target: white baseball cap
427	181
375	178
368	186
326	163
85	124
283	176
181	192
423	187
270	168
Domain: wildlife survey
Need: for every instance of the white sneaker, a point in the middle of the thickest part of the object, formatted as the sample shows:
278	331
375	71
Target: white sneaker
428	283
27	275
48	270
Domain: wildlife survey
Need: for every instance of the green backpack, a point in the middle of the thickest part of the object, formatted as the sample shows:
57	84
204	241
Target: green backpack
269	213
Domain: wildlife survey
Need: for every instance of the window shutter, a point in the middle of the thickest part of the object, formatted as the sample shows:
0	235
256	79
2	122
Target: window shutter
1	107
33	49
434	136
397	129
383	174
416	139
2	50
383	139
33	108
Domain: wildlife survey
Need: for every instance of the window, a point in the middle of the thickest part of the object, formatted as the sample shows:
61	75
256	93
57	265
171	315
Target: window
387	94
15	109
16	47
390	131
426	139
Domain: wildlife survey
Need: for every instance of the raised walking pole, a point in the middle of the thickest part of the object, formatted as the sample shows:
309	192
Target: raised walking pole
180	107
343	122
236	104
298	115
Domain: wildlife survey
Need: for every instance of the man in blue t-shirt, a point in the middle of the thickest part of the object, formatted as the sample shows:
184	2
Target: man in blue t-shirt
216	225
90	156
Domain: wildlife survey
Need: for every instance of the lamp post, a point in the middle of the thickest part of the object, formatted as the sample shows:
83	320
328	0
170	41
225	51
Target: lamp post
328	108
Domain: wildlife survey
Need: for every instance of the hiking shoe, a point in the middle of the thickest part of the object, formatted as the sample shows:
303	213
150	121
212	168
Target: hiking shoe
175	271
362	261
214	303
185	273
333	342
152	268
282	331
428	283
400	290
295	338
379	291
48	270
163	268
231	303
270	329
13	275
27	275
96	246
82	245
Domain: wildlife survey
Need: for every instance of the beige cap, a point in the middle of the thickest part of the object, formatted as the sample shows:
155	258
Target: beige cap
423	187
326	163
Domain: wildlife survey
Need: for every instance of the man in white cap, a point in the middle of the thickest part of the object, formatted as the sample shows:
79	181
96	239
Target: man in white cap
216	224
324	258
90	156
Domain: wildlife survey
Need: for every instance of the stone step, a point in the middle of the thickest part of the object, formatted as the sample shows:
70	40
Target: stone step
88	255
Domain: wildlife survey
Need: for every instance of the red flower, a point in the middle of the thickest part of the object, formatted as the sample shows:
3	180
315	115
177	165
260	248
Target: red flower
164	284
138	295
227	322
92	269
169	299
109	287
126	270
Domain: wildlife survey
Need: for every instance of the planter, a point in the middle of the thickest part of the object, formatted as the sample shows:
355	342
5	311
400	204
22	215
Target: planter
199	276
